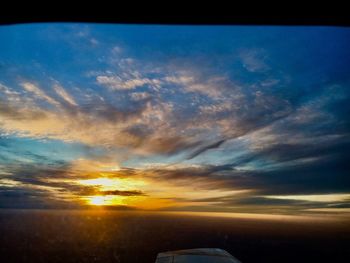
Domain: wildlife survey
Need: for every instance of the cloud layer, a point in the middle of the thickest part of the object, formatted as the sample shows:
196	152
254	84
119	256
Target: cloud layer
188	125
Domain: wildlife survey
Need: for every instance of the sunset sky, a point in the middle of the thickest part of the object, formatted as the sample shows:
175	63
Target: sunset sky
237	119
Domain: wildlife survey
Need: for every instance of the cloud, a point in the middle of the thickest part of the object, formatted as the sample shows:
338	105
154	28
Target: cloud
313	198
117	50
152	121
122	193
117	83
94	41
254	60
10	112
205	148
194	82
38	92
64	95
320	176
82	124
8	91
42	186
17	197
136	96
201	187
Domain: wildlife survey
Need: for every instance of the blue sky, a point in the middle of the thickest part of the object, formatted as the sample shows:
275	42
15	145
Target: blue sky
195	118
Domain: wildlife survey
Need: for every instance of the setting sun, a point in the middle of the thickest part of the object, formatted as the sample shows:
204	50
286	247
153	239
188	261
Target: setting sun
98	200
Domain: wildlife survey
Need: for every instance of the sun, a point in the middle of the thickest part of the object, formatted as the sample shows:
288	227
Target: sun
105	200
109	191
98	200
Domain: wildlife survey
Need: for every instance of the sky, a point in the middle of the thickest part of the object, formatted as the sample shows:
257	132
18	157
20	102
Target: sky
240	119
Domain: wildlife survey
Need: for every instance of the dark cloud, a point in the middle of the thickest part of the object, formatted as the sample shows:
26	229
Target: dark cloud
25	197
122	193
52	187
205	148
324	175
17	113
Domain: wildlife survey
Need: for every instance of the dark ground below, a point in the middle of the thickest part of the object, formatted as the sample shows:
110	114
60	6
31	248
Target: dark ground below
85	236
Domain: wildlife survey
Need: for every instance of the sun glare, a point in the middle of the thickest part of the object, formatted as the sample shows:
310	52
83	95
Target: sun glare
98	200
107	184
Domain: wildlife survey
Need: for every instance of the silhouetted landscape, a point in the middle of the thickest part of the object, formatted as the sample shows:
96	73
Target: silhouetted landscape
116	236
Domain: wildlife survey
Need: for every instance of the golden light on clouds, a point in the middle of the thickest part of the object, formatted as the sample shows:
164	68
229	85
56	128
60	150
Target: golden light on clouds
313	198
105	184
110	184
149	194
94	165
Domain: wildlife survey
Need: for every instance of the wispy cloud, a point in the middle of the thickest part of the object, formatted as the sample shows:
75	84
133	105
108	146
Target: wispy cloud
117	83
254	60
64	95
31	87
